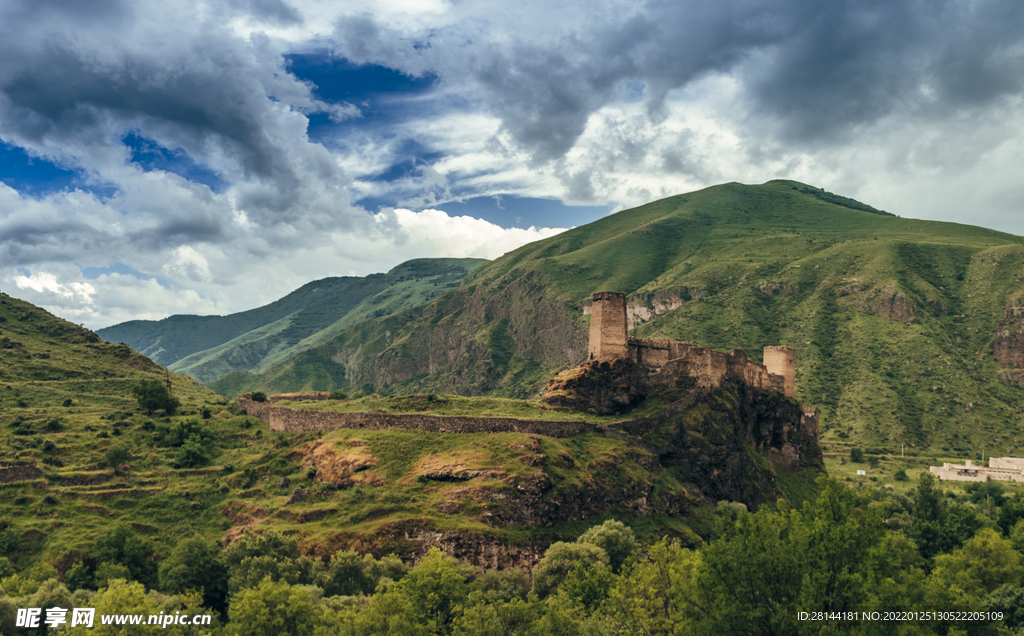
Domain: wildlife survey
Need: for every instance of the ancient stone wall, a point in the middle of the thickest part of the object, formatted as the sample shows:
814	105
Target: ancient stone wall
608	337
283	418
707	367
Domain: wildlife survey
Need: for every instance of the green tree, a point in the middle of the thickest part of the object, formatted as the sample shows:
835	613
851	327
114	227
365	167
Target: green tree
192	454
616	539
658	594
560	559
195	564
184	430
117	456
436	590
348	575
152	395
856	455
273	609
751	579
123	545
269	555
503	585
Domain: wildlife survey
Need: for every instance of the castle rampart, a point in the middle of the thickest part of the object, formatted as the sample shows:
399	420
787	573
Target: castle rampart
283	418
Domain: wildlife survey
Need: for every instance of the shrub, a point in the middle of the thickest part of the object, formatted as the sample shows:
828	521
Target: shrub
206	412
337	395
856	455
182	430
901	475
153	395
192	454
69	402
259	396
117	456
53	425
49	446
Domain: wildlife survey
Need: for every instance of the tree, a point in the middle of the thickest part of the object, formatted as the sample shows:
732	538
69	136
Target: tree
616	539
273	609
657	594
856	455
195	564
560	559
436	588
116	456
123	545
347	575
153	395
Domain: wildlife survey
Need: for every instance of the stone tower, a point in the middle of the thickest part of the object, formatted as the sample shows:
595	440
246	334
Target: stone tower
608	339
782	361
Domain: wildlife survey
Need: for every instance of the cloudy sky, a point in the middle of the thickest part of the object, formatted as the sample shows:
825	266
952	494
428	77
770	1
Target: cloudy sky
209	157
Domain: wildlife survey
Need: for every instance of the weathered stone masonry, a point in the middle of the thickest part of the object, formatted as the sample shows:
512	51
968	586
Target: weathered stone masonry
283	418
609	340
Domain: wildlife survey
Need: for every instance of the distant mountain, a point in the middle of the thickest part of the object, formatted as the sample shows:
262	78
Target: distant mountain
207	347
896	322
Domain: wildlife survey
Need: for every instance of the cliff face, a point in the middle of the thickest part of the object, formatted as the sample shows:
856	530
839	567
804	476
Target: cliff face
1009	345
726	438
731	441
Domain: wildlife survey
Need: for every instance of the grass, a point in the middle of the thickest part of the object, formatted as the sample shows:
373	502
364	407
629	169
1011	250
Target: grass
253	473
451	406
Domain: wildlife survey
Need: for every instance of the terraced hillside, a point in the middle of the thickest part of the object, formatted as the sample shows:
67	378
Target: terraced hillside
895	322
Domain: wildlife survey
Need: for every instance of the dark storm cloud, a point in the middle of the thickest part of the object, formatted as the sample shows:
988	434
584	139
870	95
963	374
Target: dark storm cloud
274	11
817	68
855	62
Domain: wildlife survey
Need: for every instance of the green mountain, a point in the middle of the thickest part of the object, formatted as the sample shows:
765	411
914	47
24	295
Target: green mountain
895	321
207	347
82	465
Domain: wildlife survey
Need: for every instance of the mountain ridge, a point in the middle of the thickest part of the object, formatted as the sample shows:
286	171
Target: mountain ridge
732	266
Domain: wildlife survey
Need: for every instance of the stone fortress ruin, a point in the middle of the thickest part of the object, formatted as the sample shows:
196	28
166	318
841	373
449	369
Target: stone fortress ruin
621	371
609	341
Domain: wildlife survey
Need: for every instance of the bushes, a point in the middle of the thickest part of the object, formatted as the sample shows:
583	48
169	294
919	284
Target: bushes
153	395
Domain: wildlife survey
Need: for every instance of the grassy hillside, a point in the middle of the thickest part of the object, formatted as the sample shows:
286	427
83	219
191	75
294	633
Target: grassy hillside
207	347
66	405
893	320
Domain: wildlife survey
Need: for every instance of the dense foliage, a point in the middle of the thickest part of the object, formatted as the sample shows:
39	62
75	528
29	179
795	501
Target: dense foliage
850	550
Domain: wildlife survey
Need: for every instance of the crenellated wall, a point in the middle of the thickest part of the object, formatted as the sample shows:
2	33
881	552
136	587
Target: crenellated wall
283	418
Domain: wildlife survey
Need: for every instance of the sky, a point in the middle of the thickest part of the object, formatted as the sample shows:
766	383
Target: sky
207	157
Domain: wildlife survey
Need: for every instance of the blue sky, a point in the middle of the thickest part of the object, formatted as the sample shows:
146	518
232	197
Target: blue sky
210	157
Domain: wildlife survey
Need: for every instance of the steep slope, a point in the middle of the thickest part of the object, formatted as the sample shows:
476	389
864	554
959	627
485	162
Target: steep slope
894	320
207	347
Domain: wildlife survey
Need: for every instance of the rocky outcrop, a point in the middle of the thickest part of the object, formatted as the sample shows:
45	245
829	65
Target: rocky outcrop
1009	344
894	304
729	441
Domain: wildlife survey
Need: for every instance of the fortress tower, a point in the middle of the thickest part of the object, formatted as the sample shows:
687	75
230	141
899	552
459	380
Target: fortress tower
608	337
781	361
